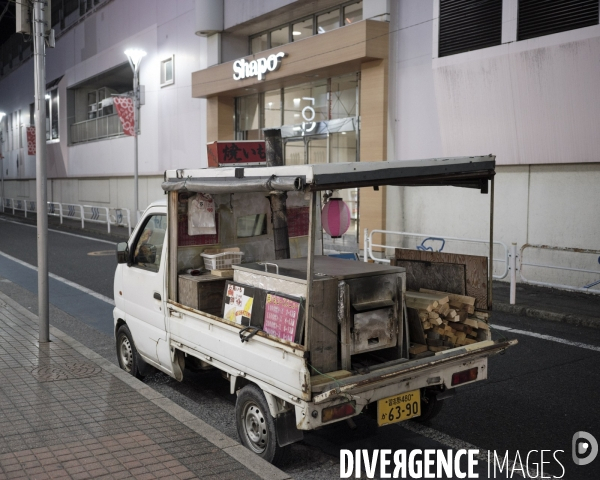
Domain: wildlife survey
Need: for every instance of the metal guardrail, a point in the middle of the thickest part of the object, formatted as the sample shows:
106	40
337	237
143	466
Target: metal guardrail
368	250
586	288
85	213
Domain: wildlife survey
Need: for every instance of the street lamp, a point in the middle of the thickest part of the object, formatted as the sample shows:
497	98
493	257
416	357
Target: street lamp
135	58
2	115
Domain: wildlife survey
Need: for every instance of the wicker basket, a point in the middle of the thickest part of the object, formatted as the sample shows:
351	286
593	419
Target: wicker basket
221	258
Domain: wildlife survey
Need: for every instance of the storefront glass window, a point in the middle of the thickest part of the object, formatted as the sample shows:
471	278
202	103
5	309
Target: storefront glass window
248	117
343	96
273	109
280	37
353	13
328	21
302	29
342	147
259	43
305	103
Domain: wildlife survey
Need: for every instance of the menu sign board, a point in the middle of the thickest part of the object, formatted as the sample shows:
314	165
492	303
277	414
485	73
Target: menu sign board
238	303
281	317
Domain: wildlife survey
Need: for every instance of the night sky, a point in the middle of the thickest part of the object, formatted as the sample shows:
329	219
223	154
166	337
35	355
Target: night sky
7	24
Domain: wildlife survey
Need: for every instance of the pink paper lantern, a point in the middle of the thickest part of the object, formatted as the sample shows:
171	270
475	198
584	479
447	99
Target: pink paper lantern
335	217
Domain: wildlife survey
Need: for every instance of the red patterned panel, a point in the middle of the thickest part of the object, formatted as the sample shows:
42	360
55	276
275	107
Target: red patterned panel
185	240
297	221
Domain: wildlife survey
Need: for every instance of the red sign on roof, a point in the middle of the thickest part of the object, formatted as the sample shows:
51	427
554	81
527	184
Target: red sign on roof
241	152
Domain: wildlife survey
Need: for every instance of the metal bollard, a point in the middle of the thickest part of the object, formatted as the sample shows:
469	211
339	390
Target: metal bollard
513	273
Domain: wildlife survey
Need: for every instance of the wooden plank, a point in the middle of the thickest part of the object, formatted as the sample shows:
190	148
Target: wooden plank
445	277
418	304
471	323
222	273
422	355
317	380
453	298
440	298
476	271
416	348
437	349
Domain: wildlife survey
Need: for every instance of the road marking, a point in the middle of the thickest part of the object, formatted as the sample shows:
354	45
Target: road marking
456	444
58	231
102	253
63	280
547	337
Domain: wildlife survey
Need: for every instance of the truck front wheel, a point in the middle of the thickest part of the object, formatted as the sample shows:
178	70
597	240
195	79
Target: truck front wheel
126	352
256	427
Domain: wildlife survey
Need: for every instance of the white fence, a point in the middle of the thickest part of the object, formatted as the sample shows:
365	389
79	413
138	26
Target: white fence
542	260
433	243
85	213
574	276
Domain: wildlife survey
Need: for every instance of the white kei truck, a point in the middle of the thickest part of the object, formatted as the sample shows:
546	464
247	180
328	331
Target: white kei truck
304	339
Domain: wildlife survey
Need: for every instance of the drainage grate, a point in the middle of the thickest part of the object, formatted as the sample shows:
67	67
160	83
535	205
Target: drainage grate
64	371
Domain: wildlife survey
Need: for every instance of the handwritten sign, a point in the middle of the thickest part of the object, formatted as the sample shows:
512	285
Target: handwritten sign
281	317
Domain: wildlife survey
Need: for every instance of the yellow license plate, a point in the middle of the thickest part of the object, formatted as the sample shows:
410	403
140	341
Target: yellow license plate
399	407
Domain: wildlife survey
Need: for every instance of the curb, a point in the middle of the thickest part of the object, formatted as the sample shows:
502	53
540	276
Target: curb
234	449
572	319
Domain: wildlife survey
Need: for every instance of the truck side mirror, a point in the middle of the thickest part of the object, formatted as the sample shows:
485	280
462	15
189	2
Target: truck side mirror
122	252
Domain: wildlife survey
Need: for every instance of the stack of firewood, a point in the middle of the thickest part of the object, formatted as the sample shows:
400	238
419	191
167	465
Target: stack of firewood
447	321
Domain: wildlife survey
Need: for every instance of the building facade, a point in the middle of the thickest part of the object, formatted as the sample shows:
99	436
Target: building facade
344	81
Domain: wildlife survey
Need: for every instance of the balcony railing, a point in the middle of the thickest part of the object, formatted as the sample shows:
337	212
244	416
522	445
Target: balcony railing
96	128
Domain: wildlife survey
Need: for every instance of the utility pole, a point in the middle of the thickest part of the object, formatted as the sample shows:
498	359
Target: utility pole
2	158
39	54
135	56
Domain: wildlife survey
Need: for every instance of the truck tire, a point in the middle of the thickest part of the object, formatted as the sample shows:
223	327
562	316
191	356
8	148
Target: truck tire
430	406
256	427
126	352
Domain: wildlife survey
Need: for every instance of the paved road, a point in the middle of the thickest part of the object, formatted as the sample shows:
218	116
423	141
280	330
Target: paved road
538	394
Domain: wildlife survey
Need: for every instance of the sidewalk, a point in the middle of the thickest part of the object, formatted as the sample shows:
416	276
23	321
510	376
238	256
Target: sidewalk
65	412
575	308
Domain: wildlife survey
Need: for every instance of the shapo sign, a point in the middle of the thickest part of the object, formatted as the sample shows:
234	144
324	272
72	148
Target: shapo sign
258	67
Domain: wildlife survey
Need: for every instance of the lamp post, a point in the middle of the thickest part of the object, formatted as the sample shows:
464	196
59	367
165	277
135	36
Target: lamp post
135	58
2	115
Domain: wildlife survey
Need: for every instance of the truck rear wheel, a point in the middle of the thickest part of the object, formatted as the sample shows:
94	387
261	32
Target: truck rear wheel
430	406
256	427
126	352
